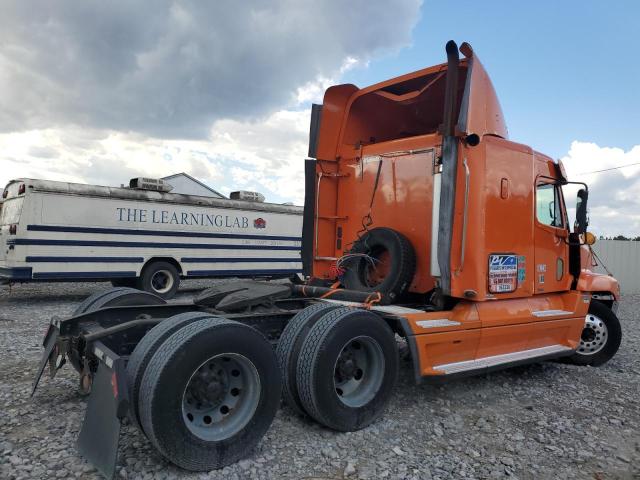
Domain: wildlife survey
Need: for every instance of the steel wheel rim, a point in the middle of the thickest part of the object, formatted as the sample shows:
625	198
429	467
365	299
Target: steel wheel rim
359	371
594	335
221	397
162	281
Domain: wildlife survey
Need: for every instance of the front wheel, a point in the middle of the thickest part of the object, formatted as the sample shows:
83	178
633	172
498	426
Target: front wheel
600	338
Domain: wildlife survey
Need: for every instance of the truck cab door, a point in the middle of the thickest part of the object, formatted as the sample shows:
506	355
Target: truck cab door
551	235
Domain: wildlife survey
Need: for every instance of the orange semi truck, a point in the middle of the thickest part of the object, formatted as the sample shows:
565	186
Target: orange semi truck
422	219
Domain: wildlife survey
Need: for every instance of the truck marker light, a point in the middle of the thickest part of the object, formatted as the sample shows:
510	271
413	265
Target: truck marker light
114	384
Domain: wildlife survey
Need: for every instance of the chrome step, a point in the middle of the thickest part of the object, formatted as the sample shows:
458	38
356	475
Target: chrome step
488	362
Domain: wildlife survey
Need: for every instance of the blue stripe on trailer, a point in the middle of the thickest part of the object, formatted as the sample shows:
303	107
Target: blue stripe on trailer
104	243
77	275
15	273
168	233
242	273
42	259
237	260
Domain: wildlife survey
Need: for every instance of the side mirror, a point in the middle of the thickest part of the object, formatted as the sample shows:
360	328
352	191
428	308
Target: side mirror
582	222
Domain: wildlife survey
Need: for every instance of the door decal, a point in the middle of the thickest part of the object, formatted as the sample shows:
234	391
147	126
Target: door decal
503	273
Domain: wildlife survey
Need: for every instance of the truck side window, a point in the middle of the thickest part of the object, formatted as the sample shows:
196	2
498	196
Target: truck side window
548	205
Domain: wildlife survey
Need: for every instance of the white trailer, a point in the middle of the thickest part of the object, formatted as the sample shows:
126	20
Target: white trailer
58	231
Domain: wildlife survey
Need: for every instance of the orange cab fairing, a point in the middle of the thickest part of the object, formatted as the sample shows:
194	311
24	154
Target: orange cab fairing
379	150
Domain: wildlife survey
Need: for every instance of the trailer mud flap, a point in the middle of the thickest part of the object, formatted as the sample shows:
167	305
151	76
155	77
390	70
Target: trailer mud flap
107	405
49	343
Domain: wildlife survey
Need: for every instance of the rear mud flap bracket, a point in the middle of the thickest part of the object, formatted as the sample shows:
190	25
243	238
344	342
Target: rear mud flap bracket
49	343
106	407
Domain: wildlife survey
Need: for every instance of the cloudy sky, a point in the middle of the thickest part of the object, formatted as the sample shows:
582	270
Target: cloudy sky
100	92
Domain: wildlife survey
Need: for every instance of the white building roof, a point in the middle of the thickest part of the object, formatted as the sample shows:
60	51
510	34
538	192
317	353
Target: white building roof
186	184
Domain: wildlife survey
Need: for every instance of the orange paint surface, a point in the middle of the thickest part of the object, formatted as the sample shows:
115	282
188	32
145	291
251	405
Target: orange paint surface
392	130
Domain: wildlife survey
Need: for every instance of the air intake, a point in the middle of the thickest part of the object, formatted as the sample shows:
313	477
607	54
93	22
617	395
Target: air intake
155	184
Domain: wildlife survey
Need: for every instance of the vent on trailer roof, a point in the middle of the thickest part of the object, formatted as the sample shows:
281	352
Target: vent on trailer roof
247	196
155	184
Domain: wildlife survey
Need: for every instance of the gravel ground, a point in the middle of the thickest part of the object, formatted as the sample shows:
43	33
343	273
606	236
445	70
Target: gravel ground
542	421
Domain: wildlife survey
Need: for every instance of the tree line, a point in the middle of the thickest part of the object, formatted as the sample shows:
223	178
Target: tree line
621	237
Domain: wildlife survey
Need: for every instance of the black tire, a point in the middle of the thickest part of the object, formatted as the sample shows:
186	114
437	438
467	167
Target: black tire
289	346
164	388
401	268
601	337
125	282
117	297
317	372
144	351
114	297
159	273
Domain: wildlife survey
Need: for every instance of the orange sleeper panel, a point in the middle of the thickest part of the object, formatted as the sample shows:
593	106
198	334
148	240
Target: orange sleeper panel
402	200
446	347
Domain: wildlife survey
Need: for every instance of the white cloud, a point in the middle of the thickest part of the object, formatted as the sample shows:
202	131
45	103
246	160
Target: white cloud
313	90
101	92
266	156
614	195
174	69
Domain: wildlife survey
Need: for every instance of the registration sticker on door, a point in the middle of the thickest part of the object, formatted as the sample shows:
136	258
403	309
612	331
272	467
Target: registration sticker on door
503	273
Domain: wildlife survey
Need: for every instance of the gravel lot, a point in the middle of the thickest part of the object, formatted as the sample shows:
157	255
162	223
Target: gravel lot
542	421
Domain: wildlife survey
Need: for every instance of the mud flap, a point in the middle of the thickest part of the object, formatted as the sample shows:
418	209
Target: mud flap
49	344
107	405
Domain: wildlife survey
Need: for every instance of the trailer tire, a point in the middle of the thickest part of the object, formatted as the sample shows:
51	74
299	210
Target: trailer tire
142	354
160	278
393	275
117	297
600	337
347	369
173	382
288	350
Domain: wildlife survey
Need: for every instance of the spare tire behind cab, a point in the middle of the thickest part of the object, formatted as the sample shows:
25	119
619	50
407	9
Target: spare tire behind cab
388	268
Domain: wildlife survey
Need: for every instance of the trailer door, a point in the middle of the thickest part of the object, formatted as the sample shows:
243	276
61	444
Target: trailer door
9	220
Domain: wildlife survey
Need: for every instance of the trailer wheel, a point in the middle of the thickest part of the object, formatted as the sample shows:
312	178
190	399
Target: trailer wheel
600	339
209	393
385	262
160	278
144	351
289	347
347	368
117	297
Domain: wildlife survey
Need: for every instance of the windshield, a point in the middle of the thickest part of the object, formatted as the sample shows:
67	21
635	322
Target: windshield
10	212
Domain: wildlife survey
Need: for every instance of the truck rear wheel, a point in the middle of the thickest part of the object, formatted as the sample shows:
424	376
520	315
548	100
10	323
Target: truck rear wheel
160	278
209	393
145	349
289	346
347	368
601	337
